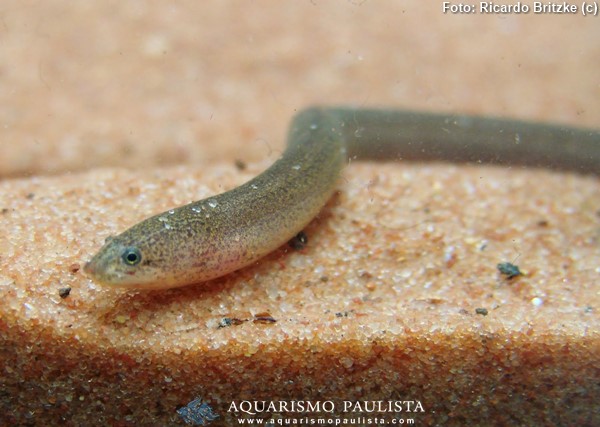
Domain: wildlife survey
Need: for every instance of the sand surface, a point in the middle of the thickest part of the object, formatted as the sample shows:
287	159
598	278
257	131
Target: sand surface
113	112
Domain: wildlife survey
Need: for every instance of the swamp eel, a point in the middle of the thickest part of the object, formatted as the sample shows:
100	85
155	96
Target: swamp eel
215	236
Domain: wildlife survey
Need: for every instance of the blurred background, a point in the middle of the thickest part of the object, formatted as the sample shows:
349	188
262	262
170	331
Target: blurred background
141	83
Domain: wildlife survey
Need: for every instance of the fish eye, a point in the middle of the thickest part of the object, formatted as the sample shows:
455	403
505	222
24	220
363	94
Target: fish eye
131	256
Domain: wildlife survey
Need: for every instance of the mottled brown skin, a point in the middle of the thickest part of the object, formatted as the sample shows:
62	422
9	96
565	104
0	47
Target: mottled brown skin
218	235
212	237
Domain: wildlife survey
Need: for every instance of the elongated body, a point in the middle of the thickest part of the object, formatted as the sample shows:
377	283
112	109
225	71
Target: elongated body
215	236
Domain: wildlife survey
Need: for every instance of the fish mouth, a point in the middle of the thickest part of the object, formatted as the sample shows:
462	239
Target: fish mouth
89	268
96	269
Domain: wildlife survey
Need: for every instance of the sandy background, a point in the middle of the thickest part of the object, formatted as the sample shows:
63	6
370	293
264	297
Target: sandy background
112	111
138	83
